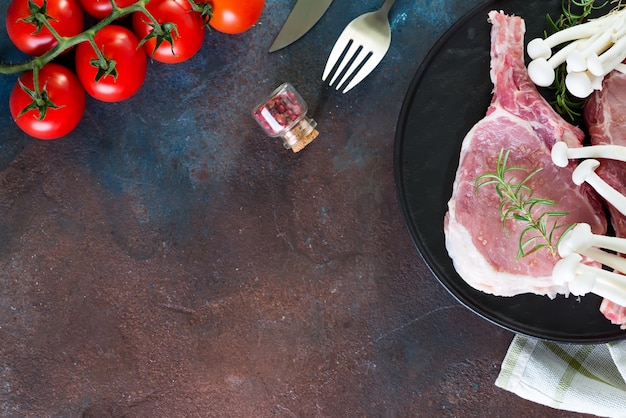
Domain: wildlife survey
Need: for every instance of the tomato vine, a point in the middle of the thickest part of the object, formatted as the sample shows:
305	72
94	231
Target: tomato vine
169	31
65	43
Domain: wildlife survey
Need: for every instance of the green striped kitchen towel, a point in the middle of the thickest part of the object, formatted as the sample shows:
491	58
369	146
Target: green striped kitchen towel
580	378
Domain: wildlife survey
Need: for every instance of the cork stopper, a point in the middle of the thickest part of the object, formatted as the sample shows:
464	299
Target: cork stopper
301	135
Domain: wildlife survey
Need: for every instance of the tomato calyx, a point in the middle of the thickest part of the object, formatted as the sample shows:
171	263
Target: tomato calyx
161	33
205	10
106	68
41	102
38	15
104	65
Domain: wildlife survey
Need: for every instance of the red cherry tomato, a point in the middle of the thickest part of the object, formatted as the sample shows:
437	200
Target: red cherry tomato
63	89
235	16
120	45
66	17
187	36
102	8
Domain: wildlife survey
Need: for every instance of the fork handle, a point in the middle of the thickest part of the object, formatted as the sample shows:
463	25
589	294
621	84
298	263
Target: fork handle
387	6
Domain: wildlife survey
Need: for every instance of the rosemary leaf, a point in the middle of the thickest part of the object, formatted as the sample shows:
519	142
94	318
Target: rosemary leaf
518	203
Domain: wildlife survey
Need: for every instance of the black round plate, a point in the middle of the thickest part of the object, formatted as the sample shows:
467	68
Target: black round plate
449	94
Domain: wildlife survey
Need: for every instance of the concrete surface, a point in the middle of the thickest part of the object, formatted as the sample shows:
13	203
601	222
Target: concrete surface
167	259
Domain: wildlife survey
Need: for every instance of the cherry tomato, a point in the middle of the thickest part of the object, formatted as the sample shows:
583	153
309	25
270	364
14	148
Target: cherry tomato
118	45
235	16
187	35
102	8
66	17
63	89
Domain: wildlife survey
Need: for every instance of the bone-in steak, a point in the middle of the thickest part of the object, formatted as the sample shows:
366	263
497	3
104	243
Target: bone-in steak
520	120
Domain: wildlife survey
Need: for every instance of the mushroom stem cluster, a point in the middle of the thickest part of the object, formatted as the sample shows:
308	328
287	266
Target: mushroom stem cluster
578	243
591	51
583	279
585	172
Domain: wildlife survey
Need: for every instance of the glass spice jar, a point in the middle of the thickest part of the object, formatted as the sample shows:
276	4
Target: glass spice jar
283	114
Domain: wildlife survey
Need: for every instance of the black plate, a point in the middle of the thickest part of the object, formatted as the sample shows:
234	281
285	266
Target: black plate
449	94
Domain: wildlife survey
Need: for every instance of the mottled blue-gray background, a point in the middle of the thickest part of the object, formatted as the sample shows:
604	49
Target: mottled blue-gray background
166	259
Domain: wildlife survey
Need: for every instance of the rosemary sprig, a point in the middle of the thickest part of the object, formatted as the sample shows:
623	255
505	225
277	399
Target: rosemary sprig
517	203
573	12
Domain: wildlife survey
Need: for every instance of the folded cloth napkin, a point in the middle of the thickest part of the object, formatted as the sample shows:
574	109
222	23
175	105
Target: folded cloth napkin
579	378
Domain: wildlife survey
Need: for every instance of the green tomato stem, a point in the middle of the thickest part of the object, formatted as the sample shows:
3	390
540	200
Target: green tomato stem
41	18
38	99
101	58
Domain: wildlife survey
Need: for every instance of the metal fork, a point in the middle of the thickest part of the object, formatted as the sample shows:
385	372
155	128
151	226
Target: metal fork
359	49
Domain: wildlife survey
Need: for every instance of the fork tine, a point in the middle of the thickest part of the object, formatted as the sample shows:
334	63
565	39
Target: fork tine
346	64
335	58
352	62
361	73
346	59
336	54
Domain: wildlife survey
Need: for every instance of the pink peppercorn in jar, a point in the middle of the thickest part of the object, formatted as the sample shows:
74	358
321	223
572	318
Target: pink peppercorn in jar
283	114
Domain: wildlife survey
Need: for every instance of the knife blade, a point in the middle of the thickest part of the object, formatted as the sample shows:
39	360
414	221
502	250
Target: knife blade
302	18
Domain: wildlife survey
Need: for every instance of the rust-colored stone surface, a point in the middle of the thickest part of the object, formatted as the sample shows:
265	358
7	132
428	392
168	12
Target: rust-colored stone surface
167	259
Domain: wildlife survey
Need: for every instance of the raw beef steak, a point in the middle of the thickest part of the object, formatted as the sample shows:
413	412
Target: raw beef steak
605	114
520	120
